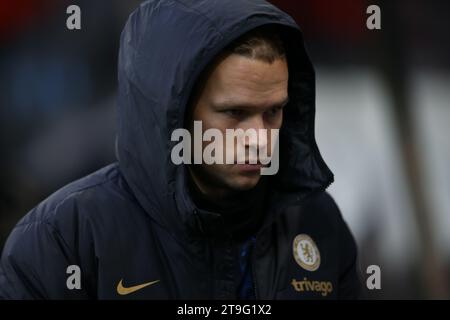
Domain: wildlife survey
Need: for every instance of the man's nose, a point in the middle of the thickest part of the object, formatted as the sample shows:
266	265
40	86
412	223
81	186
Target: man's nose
260	139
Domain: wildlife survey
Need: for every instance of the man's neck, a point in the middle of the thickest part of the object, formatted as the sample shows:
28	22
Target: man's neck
223	197
213	192
242	211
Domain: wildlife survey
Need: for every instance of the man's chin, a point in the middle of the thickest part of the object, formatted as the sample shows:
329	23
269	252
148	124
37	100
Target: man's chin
244	183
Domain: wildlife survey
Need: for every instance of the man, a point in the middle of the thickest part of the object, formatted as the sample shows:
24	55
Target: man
147	228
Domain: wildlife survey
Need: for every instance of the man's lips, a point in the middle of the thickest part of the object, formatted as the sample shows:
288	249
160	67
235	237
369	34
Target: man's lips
249	167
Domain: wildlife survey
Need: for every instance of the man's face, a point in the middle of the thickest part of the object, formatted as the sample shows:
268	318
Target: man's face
239	93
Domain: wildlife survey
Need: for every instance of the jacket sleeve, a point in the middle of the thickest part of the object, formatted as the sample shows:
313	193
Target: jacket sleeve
34	264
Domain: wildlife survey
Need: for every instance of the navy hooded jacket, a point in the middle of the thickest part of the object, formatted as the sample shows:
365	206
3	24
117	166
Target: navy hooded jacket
132	229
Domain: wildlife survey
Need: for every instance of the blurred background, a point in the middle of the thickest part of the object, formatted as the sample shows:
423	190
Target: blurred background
383	119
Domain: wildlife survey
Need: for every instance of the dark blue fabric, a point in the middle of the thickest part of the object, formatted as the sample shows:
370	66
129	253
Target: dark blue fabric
246	290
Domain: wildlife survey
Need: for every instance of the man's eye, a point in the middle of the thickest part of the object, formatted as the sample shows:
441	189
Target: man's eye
274	111
234	112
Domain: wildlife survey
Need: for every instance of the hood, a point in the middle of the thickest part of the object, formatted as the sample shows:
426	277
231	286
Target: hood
164	47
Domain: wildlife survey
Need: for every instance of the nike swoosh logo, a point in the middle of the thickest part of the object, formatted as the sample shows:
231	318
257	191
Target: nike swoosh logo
127	290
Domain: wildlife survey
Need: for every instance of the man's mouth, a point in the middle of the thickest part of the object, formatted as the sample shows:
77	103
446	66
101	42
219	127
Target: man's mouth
250	168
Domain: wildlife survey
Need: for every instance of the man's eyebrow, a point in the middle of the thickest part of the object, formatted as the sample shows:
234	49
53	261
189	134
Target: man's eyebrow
235	104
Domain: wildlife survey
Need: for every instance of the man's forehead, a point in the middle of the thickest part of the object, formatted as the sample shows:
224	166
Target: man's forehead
251	102
237	68
239	80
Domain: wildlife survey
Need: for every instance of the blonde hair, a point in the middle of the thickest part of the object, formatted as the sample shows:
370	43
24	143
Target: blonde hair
262	43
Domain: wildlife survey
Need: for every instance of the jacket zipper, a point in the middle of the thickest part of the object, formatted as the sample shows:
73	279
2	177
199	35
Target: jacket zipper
252	267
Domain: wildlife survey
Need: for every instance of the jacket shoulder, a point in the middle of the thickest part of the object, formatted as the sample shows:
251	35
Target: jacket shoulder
322	207
57	230
96	187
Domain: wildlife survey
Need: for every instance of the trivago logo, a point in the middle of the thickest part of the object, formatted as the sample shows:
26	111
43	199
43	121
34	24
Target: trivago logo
238	146
322	287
